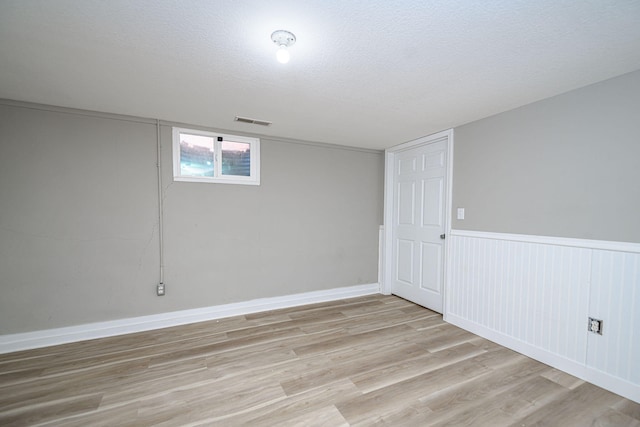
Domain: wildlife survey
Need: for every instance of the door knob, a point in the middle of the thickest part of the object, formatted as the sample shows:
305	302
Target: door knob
442	236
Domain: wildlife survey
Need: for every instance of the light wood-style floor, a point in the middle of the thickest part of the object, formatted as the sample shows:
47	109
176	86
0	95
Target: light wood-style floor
375	360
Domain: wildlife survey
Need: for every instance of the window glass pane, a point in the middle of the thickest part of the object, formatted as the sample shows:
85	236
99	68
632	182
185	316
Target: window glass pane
236	158
196	155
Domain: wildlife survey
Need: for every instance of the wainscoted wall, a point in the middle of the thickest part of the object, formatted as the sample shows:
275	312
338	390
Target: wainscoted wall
535	294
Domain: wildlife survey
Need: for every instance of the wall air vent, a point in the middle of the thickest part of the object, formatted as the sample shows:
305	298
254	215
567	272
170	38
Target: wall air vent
252	121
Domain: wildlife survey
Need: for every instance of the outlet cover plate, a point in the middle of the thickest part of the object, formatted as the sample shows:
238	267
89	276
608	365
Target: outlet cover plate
595	325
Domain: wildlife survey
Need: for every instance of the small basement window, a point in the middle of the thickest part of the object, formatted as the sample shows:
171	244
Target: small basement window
201	156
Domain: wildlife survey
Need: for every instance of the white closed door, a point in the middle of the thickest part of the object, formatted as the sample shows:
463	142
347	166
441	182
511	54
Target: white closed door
418	223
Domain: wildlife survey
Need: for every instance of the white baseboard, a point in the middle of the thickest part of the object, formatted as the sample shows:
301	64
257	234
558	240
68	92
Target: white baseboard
49	337
624	388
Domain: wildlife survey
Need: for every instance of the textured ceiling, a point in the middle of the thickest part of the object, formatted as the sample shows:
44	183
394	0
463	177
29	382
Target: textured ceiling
365	73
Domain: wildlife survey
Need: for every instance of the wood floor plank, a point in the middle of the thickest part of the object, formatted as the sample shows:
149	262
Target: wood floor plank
579	407
377	321
328	416
402	416
20	376
364	322
391	333
67	385
427	322
407	369
53	408
628	407
185	405
342	367
209	349
562	378
443	336
613	418
503	408
120	416
298	407
374	360
399	393
319	307
466	394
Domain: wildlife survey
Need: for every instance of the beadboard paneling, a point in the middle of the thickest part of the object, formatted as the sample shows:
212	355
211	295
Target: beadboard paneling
615	298
533	293
537	295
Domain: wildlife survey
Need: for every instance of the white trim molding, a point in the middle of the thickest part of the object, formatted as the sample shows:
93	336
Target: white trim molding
535	294
49	337
549	240
381	247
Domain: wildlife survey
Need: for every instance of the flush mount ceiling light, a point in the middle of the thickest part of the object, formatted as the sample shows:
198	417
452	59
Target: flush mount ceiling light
283	39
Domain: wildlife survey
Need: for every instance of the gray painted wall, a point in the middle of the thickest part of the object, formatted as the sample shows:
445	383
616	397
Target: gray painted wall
567	166
79	222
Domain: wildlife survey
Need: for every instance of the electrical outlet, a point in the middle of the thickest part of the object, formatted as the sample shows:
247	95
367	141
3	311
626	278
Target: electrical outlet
160	289
595	326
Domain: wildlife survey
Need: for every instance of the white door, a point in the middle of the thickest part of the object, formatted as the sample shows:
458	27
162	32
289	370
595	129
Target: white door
419	186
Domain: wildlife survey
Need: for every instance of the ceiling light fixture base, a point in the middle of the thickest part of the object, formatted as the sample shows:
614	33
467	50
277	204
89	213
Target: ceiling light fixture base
283	38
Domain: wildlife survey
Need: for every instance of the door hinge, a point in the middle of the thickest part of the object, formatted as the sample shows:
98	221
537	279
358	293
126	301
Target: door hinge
442	236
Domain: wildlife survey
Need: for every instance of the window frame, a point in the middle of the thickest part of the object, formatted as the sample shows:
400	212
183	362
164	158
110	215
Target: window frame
218	178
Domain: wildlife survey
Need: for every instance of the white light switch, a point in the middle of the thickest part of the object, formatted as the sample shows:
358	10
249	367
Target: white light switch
460	213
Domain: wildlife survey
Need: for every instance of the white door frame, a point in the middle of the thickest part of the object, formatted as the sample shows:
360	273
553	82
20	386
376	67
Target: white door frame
389	172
